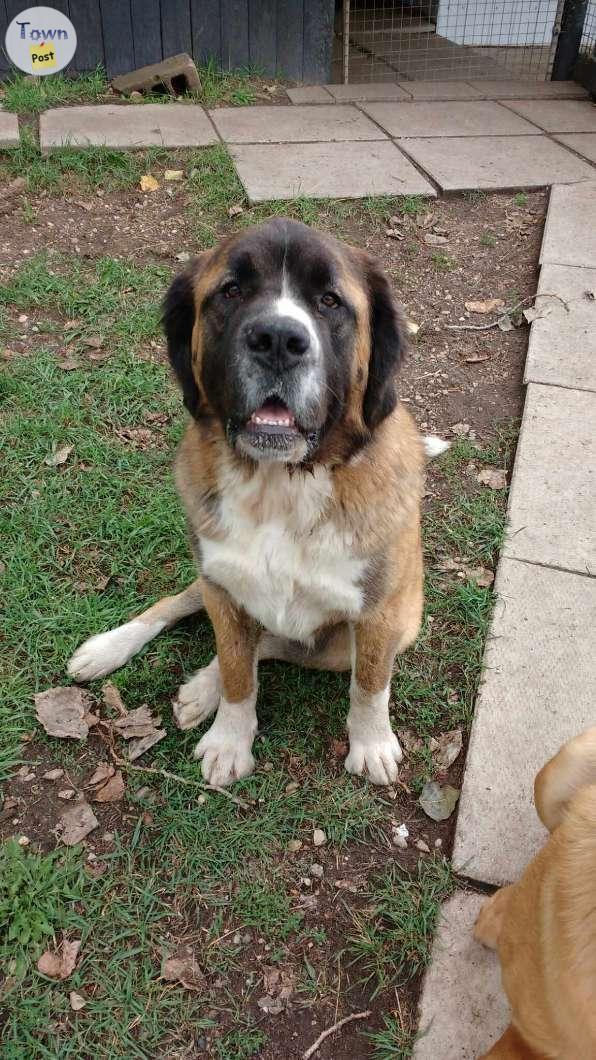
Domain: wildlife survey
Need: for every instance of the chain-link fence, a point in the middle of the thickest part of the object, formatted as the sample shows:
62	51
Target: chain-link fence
442	40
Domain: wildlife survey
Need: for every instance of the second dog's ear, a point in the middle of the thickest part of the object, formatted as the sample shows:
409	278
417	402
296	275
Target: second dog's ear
178	319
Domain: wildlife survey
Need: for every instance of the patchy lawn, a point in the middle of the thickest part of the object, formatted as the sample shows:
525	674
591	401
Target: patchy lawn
286	937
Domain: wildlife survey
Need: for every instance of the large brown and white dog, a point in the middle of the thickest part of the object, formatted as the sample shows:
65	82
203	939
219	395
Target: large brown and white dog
301	477
544	926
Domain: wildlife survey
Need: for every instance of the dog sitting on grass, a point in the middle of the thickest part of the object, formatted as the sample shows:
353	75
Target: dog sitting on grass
544	926
301	475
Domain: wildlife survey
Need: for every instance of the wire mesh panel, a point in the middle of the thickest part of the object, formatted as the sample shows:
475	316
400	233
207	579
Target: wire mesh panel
441	40
587	49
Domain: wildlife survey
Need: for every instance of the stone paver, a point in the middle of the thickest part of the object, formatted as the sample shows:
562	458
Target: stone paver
583	143
9	129
308	94
558	115
448	119
374	90
442	90
552	503
336	170
570	229
538	691
492	162
530	89
463	1008
562	347
266	125
132	126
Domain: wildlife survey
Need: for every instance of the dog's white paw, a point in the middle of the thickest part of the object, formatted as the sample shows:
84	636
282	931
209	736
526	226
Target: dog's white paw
226	748
105	652
376	758
198	698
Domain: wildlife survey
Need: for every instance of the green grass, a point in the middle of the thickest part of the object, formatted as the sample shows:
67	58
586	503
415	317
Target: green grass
443	262
520	198
26	95
393	1042
488	240
201	870
392	941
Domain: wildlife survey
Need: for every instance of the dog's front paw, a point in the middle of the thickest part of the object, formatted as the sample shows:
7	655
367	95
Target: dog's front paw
198	698
226	748
376	757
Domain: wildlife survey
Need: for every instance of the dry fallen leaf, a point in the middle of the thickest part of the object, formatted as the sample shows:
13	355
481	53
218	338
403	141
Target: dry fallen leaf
60	454
477	358
66	364
434	240
112	698
489	305
481	575
63	712
460	429
494	478
77	1002
234	211
279	985
94	342
413	328
410	741
137	747
76	823
60	963
149	183
446	748
173	174
183	968
111	791
438	801
135	723
103	772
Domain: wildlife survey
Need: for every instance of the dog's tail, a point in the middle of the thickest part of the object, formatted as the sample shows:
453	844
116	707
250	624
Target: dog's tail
434	446
572	769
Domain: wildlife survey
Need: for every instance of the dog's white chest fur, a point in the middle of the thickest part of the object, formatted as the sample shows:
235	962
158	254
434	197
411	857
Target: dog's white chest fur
281	559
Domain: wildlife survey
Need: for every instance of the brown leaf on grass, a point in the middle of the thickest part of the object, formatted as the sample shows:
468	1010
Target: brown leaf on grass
136	723
410	741
148	183
77	1002
183	968
103	772
279	985
446	748
76	823
112	698
494	478
235	211
59	455
489	305
136	748
111	791
66	364
60	963
63	712
173	175
481	575
94	342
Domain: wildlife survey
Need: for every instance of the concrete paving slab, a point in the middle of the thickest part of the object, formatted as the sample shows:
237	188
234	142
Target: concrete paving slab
448	119
463	1008
583	143
557	115
128	126
538	691
268	125
9	129
562	347
335	170
309	94
491	162
552	502
530	89
378	90
441	90
570	230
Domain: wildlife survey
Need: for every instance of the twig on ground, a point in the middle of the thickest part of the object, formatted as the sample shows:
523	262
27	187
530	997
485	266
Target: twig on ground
179	780
507	312
331	1030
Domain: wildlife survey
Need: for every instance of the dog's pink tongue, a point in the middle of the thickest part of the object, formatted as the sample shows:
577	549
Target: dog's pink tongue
273	414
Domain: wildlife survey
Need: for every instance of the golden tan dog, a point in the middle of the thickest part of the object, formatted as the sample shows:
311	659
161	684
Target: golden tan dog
301	476
544	927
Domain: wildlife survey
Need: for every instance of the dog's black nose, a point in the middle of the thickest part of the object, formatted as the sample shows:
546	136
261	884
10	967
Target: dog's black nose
279	341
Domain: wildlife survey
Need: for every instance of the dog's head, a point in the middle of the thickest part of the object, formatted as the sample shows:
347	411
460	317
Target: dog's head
287	337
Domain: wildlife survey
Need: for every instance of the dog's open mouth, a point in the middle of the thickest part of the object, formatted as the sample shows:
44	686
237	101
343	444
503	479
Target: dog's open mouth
273	417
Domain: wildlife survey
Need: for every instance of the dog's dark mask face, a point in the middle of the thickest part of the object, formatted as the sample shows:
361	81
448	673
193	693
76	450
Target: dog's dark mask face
267	331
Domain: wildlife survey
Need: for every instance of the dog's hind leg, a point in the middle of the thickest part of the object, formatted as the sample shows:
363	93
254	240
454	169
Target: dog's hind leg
105	652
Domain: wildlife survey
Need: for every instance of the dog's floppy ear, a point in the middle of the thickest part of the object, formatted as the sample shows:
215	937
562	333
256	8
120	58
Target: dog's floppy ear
178	319
388	345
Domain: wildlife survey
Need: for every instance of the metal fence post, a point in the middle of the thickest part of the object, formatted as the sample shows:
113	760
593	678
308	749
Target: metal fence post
572	27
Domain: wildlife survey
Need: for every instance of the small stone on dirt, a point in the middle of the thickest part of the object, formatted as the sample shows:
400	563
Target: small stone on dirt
76	823
434	240
77	1001
62	711
294	846
53	774
400	835
67	794
292	787
234	211
173	174
438	801
148	183
489	305
494	478
318	837
422	846
317	871
183	256
23	841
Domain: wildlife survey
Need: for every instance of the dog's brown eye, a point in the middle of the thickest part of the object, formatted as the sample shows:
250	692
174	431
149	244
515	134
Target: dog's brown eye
231	290
330	300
